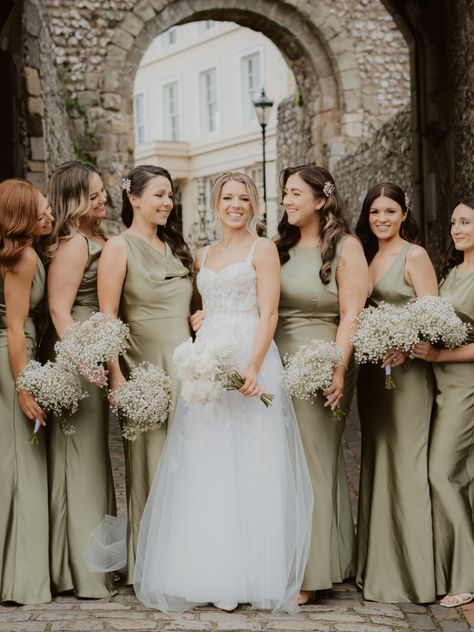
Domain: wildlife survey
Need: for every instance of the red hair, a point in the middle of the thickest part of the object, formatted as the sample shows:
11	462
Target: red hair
19	202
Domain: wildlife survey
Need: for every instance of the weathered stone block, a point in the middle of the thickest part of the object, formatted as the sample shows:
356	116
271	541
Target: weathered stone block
144	10
33	83
132	24
116	56
38	167
123	39
38	148
35	105
112	101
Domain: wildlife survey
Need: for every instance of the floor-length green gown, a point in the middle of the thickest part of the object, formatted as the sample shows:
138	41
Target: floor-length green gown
24	564
155	303
81	488
451	455
310	309
395	560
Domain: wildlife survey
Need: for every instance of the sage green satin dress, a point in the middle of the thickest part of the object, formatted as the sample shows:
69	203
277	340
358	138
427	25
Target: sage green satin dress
24	564
395	560
451	455
309	309
81	487
155	303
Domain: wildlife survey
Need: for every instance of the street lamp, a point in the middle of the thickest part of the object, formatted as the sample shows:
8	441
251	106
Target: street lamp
263	107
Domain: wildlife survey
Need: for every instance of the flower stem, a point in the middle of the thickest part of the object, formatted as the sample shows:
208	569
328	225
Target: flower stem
236	381
389	383
34	437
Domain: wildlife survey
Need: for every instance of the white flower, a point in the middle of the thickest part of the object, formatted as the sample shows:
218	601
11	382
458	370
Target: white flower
436	321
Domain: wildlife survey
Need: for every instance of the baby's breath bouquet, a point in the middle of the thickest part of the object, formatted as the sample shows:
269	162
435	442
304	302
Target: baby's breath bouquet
309	370
86	345
207	368
56	389
437	322
143	402
381	329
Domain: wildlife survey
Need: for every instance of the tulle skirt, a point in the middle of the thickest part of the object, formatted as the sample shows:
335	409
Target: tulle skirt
228	517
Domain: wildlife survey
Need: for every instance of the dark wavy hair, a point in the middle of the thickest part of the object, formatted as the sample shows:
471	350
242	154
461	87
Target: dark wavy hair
19	203
172	232
455	257
332	223
408	229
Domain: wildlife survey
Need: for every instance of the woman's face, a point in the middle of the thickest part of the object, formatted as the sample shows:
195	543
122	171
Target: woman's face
97	197
462	227
156	201
44	225
234	208
385	218
300	202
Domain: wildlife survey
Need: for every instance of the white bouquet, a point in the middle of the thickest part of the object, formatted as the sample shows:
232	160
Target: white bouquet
309	370
56	389
437	322
143	402
381	329
206	369
87	345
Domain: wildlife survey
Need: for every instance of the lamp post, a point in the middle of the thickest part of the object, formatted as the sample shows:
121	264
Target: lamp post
263	107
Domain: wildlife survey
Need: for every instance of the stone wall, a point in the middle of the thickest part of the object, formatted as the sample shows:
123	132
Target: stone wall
48	141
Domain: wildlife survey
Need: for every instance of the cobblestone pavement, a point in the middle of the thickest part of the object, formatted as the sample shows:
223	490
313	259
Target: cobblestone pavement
339	610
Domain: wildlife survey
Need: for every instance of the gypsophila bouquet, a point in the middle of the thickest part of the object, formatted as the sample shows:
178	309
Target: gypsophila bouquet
144	401
88	344
56	389
437	322
382	329
207	368
309	370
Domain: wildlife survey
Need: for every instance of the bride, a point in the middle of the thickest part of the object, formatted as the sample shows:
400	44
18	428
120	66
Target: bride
229	514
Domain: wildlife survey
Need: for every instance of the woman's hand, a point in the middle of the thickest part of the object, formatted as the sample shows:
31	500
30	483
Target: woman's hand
31	408
196	319
250	387
335	392
394	358
425	351
100	381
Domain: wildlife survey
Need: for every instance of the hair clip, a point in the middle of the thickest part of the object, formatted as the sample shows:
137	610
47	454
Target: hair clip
126	185
328	188
407	202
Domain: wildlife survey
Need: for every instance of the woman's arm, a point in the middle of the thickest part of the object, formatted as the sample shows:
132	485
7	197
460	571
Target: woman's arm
267	266
17	288
426	351
110	280
352	278
64	278
420	273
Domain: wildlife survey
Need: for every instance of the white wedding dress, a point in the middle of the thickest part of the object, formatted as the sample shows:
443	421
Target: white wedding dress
228	518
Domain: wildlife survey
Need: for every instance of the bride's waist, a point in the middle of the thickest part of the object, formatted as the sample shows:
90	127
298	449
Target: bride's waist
229	324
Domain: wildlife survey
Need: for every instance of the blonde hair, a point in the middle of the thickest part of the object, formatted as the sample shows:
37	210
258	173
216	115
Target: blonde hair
252	191
68	194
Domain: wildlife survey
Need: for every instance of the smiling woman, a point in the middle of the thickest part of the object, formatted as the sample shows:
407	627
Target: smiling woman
145	277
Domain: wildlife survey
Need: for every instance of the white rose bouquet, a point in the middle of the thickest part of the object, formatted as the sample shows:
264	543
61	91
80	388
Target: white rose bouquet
436	321
144	401
87	345
207	368
56	389
309	370
382	329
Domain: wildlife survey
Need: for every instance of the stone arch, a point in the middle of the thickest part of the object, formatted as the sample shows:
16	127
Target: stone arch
316	46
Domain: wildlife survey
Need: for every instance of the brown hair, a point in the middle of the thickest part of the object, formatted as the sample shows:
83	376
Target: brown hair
332	223
19	201
456	257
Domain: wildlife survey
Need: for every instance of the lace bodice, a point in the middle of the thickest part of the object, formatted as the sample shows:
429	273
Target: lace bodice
230	292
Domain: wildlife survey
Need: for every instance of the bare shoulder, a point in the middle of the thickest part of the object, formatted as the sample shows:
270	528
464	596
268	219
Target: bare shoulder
115	245
198	257
265	248
417	254
27	263
352	250
75	246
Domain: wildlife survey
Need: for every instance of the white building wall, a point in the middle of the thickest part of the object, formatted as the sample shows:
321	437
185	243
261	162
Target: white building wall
236	143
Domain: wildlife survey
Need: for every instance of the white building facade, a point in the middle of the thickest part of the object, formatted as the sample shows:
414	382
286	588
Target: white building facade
194	115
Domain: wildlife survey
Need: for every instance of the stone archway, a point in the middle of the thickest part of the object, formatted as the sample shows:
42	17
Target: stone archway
316	46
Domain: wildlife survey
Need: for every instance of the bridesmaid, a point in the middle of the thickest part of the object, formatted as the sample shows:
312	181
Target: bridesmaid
394	539
81	486
323	288
24	570
145	276
451	453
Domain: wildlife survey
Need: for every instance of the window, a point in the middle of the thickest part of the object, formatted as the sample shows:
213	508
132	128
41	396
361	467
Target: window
169	37
251	84
206	25
139	118
171	122
209	101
